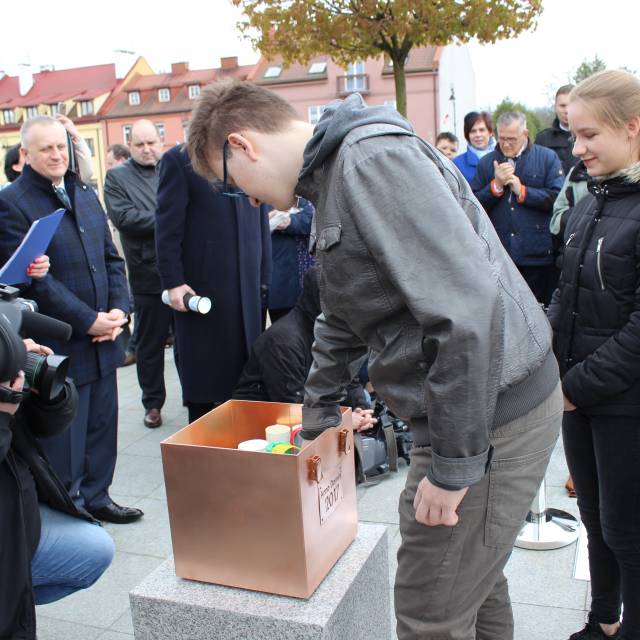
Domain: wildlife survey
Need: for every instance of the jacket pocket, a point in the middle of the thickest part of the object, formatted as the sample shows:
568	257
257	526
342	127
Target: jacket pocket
329	237
536	241
509	499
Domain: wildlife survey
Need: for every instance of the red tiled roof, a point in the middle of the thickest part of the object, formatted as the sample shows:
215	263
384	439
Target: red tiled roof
9	89
84	83
296	72
118	105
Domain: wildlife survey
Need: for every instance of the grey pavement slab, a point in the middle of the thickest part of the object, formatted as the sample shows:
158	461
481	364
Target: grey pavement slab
548	603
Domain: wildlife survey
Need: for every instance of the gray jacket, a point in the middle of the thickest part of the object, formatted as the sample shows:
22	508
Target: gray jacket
130	195
413	274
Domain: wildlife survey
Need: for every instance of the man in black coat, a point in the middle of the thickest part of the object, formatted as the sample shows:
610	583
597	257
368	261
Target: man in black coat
130	195
216	246
281	357
557	137
85	287
49	547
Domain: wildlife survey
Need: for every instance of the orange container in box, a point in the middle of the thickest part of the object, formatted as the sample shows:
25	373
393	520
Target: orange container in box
257	520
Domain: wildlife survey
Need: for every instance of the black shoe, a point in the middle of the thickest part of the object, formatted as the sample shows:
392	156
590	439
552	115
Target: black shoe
115	513
593	631
152	418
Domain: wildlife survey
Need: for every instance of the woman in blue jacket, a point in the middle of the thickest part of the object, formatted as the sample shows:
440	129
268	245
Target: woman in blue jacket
478	131
290	258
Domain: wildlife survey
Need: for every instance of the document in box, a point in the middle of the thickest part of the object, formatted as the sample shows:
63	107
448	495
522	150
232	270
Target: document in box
33	245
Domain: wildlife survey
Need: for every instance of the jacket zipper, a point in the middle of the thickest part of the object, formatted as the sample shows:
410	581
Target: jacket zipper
599	263
566	244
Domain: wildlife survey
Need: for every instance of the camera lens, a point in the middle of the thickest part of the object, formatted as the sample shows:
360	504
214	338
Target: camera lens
46	374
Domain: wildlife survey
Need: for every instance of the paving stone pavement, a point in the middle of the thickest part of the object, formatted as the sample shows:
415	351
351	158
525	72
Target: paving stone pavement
548	603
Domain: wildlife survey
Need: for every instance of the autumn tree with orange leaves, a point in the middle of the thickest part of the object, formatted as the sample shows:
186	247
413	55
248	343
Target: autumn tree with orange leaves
352	30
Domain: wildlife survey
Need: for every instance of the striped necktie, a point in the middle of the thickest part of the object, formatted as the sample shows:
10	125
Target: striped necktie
63	196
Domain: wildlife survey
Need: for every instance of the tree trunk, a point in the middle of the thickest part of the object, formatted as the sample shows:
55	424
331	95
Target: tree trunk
401	86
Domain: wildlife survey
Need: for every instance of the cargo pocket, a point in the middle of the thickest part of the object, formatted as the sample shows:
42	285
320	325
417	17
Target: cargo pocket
513	483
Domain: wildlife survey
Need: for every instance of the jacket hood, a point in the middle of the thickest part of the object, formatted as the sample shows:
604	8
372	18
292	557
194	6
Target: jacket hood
338	119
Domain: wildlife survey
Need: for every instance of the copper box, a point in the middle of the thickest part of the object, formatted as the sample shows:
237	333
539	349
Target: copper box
256	520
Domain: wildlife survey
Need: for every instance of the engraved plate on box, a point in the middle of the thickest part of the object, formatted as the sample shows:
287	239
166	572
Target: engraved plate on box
330	492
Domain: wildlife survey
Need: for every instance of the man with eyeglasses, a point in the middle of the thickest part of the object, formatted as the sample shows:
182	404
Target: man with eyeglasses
517	184
412	275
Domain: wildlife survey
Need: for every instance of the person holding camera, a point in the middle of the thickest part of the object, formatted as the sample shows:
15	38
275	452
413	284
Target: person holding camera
49	548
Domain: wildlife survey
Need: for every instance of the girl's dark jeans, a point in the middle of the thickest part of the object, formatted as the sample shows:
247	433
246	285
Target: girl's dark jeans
603	454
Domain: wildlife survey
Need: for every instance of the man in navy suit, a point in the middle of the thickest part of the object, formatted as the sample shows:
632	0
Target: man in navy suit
85	287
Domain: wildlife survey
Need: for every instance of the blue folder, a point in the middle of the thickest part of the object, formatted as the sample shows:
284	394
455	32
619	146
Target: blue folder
33	245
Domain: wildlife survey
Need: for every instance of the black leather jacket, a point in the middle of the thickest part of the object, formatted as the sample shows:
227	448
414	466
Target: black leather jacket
560	141
595	312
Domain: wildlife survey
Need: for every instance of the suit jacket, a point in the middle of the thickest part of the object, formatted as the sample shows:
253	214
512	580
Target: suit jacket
221	248
86	274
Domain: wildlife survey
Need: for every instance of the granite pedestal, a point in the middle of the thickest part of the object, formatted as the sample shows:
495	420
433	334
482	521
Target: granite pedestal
352	603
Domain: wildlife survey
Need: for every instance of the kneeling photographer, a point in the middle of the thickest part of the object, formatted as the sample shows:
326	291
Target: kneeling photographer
48	547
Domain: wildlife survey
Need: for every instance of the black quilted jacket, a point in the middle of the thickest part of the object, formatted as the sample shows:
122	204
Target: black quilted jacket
595	312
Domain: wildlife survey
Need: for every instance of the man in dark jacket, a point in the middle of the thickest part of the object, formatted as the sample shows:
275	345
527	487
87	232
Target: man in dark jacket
218	247
557	137
130	192
85	287
281	357
517	184
413	273
49	548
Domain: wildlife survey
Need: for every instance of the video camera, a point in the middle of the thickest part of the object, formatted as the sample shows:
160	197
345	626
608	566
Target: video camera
18	317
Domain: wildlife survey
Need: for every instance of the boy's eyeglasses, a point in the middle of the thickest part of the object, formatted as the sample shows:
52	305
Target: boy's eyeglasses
227	190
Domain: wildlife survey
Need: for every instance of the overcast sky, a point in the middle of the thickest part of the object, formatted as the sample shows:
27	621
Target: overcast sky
526	69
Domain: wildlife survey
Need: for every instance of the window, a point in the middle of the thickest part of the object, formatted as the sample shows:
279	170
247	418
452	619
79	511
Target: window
273	72
91	146
126	134
160	128
315	113
318	67
86	107
194	91
134	98
185	129
32	112
54	108
355	80
9	116
164	95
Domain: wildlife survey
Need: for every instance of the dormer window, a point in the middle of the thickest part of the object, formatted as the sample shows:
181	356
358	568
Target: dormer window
86	107
9	116
194	91
134	98
273	72
318	67
164	95
32	112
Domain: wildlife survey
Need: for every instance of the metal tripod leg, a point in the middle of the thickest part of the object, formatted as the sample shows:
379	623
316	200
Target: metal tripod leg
547	528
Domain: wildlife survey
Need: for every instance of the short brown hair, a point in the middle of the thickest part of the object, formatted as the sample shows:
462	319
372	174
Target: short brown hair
230	106
474	116
612	96
565	89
